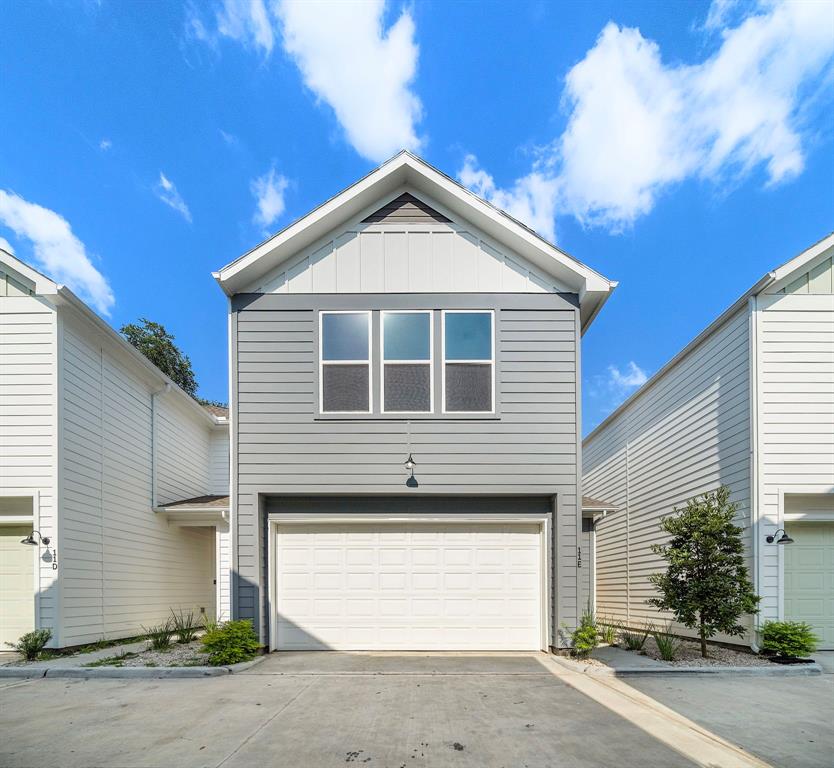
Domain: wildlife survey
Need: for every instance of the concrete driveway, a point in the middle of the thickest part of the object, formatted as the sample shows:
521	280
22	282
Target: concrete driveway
400	711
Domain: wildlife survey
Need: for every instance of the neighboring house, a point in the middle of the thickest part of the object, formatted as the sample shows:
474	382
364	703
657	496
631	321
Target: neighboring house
95	444
748	404
405	420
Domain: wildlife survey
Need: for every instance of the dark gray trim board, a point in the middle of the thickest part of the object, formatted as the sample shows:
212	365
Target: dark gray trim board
290	301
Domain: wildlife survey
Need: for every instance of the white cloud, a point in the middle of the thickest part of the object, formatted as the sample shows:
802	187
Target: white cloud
268	191
166	191
532	199
346	56
56	250
362	70
637	125
105	144
627	380
246	21
230	139
6	246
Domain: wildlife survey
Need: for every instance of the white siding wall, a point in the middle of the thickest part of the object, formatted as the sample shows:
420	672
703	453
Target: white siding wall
219	461
688	433
224	570
181	474
796	414
123	566
406	258
28	434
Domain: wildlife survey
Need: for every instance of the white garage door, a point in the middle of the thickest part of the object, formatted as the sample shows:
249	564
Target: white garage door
17	584
408	587
809	578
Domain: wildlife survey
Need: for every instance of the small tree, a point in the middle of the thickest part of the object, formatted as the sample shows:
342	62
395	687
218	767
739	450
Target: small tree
155	343
706	584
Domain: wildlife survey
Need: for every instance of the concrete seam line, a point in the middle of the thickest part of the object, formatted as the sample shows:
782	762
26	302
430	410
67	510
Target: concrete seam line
262	726
686	737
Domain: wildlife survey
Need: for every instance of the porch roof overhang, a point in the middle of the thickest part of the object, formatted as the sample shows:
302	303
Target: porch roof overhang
593	507
198	511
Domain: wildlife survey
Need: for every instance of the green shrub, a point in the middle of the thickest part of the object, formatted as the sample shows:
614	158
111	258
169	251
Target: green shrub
584	637
31	644
230	643
667	644
184	626
789	638
634	639
159	635
608	633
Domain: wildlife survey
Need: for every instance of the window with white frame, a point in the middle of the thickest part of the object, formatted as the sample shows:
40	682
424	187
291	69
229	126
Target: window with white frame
407	374
468	361
345	362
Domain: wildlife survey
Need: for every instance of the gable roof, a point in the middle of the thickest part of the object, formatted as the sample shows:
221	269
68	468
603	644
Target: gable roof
406	169
779	275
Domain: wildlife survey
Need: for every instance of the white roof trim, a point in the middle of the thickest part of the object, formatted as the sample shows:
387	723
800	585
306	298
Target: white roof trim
407	169
765	282
43	285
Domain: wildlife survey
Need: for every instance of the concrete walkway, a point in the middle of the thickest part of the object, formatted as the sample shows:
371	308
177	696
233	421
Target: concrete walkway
328	709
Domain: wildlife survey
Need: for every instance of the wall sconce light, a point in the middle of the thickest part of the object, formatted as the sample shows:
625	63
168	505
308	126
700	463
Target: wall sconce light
783	539
30	539
411	482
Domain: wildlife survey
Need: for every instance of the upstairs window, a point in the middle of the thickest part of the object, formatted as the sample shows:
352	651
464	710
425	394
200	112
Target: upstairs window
345	362
468	362
407	373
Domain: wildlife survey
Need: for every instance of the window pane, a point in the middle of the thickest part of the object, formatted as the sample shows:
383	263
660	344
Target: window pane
407	388
345	388
344	336
407	336
468	336
468	387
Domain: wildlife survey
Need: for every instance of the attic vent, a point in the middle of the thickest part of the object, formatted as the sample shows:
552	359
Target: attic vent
406	208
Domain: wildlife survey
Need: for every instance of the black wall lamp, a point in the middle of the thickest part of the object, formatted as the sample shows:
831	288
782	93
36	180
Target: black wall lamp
411	482
783	539
30	539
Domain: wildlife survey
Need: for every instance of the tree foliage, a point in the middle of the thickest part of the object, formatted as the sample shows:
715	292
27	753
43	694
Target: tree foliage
706	584
155	343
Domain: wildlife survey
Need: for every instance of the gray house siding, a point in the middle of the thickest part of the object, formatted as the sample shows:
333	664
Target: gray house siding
284	448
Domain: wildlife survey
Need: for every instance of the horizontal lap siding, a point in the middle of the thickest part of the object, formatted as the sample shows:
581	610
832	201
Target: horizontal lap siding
686	435
28	420
123	567
282	449
796	412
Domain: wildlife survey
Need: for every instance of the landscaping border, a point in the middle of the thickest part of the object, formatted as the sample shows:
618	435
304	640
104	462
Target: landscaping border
141	673
772	670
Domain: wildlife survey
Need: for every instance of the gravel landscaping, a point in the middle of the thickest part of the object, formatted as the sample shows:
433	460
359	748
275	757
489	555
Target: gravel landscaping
689	655
187	655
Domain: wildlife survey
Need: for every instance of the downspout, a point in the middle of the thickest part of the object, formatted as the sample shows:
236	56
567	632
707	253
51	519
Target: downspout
166	388
754	454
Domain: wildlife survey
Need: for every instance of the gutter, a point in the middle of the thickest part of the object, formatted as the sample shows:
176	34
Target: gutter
163	391
67	297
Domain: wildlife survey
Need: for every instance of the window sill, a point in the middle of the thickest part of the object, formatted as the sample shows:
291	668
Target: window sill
407	417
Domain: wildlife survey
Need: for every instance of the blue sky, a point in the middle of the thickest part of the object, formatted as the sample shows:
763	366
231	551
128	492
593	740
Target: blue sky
683	149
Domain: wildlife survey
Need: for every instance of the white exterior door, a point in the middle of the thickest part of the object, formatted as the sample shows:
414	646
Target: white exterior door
408	586
809	578
17	584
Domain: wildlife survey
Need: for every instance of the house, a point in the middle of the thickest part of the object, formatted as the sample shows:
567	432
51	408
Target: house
405	422
100	454
748	404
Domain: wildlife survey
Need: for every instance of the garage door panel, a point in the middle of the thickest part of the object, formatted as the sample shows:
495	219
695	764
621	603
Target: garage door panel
17	584
409	587
809	578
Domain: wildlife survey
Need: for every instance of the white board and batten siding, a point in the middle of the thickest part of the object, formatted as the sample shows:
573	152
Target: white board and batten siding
406	258
795	341
123	565
28	431
688	432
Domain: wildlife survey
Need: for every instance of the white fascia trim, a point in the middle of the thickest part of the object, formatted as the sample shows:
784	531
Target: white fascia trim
787	269
43	285
407	168
711	329
289	518
67	297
